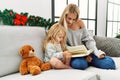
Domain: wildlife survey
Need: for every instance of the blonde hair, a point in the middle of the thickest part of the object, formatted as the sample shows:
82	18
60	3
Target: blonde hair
71	8
53	33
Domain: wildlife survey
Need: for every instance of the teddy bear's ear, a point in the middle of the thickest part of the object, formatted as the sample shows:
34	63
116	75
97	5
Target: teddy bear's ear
21	52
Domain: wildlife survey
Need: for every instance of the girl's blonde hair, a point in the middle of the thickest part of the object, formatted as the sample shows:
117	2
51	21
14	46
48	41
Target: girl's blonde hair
53	33
71	8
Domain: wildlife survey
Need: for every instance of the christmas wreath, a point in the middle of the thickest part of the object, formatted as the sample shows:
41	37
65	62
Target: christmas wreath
10	17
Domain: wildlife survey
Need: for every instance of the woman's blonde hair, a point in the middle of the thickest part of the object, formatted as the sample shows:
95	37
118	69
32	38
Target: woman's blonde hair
71	8
53	33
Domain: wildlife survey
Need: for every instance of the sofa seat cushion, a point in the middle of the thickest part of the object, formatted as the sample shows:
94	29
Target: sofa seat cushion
65	74
117	62
108	74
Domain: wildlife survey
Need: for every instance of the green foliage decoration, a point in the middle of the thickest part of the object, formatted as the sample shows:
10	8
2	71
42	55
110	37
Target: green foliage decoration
10	17
118	36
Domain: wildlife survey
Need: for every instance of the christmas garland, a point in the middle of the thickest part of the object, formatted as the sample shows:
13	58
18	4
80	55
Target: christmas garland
9	17
117	36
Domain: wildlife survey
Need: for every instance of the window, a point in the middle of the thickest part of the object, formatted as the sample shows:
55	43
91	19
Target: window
113	18
87	11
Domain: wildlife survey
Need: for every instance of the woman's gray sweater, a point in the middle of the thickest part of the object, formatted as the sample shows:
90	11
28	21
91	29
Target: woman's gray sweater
81	37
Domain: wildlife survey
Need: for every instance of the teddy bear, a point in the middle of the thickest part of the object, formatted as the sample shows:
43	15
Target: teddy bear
31	63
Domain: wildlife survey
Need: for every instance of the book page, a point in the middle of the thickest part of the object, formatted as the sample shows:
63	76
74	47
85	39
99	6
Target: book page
82	55
79	51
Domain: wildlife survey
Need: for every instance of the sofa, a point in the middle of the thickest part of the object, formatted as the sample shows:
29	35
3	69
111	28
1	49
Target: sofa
13	37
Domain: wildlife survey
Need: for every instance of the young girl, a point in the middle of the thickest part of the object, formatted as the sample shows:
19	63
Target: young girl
55	48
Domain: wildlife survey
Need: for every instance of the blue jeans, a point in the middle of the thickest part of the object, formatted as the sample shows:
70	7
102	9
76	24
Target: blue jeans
81	63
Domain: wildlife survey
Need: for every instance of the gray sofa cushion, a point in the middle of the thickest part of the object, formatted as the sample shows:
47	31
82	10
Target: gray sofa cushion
111	46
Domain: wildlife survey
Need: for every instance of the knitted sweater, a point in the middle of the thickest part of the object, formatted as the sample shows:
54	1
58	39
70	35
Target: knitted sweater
53	51
81	37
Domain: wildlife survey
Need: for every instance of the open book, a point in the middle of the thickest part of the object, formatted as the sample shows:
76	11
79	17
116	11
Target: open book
79	51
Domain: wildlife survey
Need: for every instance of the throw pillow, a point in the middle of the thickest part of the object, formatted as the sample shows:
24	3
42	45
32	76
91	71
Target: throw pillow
111	46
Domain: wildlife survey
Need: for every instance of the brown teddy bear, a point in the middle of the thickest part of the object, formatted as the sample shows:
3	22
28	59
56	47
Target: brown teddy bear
30	63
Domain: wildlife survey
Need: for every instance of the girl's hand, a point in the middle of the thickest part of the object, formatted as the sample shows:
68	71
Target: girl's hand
101	56
66	51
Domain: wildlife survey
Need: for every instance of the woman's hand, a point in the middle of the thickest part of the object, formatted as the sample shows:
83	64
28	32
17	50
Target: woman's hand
101	56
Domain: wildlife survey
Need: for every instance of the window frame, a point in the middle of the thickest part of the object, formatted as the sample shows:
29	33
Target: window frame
112	21
86	19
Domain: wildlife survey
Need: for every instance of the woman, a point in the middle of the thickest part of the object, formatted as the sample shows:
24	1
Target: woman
77	34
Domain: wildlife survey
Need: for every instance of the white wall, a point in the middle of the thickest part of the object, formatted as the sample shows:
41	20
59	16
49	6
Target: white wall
101	17
43	8
33	7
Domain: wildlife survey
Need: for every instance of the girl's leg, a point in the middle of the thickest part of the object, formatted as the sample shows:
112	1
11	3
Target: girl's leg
58	64
79	63
104	63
